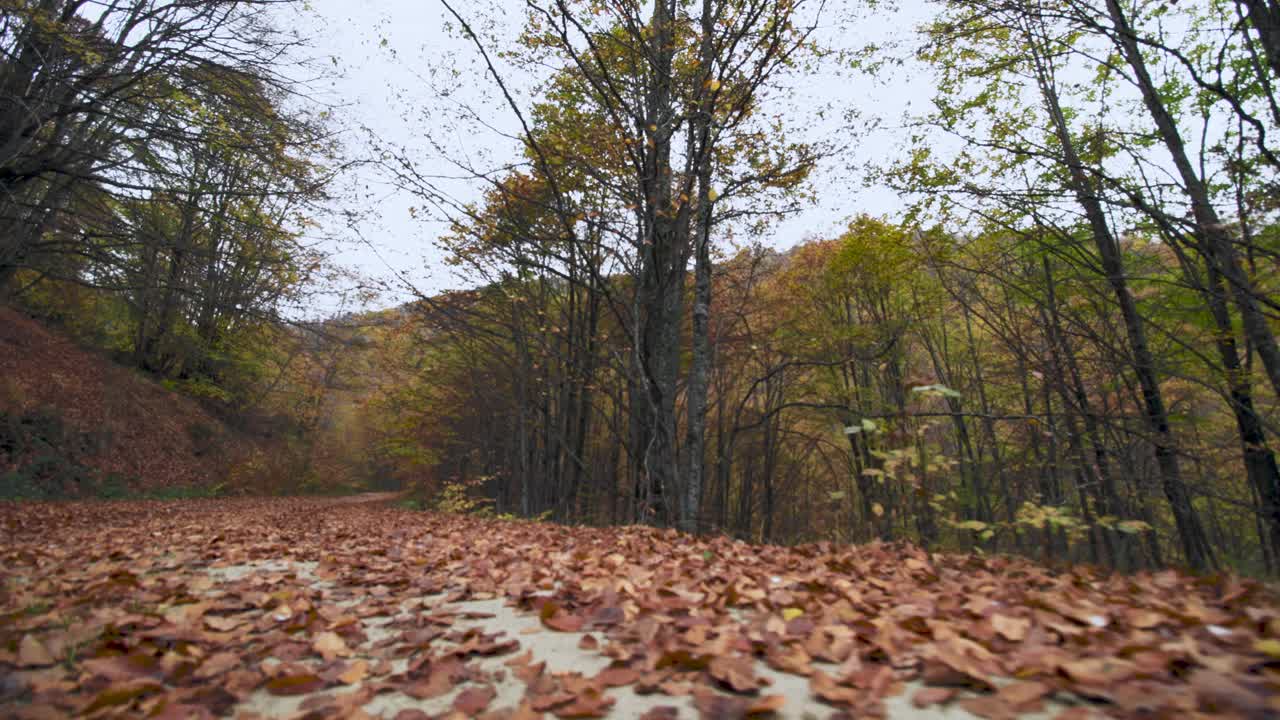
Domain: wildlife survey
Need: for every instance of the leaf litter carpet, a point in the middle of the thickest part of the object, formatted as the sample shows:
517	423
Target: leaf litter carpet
323	608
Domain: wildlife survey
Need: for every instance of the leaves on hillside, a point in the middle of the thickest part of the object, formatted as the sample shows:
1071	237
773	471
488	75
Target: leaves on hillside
189	609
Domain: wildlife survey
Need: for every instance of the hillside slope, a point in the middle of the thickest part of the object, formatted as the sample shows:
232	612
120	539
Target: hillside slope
72	422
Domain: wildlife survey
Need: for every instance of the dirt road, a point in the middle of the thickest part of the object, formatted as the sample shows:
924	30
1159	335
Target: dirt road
352	607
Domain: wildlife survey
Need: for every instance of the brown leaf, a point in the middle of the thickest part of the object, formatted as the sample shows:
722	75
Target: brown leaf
607	616
767	704
737	672
1019	694
617	676
179	711
683	660
217	664
124	694
1010	628
222	624
525	712
929	696
826	688
529	673
956	661
1146	619
358	671
186	614
330	645
300	684
242	683
474	699
33	653
564	623
714	706
991	707
590	703
1076	713
1098	671
442	675
1219	693
543	703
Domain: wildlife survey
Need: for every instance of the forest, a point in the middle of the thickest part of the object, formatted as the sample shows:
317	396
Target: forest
1060	344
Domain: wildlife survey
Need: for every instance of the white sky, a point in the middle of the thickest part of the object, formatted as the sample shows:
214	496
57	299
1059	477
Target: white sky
391	89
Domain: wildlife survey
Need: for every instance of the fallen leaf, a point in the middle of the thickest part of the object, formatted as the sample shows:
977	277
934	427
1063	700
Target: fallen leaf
991	707
1010	628
554	617
330	645
929	696
1098	672
590	703
1219	693
301	684
472	700
767	704
358	671
737	672
825	687
217	664
617	676
124	694
1146	619
1019	694
33	653
222	624
1269	647
186	614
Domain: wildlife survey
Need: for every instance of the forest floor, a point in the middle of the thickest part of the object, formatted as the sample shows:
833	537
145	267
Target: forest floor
349	607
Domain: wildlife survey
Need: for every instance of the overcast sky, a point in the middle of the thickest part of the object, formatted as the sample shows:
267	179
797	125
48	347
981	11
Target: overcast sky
394	55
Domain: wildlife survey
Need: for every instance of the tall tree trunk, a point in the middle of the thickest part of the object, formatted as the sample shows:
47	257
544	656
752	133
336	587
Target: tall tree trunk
1212	236
1264	16
1199	556
1071	390
1223	261
1259	460
664	256
988	422
1102	485
700	370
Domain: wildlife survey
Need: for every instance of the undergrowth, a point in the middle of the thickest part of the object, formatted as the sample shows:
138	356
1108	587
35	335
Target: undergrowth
41	458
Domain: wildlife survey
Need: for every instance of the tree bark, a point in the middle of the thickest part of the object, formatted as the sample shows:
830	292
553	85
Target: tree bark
1264	16
1213	239
700	370
1198	554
